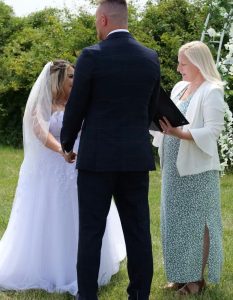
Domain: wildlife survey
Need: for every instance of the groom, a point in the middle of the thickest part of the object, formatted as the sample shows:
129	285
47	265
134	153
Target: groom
113	100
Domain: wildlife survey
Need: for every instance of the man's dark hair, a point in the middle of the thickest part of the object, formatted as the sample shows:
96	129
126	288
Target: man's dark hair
121	2
117	11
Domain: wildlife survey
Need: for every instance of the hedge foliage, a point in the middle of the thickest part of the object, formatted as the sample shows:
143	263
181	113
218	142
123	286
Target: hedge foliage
27	43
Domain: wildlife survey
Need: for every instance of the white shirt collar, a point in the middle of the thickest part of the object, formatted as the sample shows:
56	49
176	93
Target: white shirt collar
118	30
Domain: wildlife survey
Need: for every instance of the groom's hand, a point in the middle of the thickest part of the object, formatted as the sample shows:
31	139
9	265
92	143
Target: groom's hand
70	157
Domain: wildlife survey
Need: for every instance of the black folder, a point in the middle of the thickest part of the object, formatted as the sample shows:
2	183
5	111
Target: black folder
167	108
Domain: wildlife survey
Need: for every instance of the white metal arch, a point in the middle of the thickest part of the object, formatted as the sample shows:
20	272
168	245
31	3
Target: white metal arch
218	41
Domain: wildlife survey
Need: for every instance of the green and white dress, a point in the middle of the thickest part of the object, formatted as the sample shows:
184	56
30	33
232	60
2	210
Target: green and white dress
188	204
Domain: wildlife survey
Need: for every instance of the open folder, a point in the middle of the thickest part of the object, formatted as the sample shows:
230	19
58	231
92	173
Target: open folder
167	108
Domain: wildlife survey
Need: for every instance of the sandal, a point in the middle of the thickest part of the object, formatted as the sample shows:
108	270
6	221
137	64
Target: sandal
173	286
192	288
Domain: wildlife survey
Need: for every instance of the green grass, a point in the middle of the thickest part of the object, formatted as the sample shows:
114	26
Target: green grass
10	160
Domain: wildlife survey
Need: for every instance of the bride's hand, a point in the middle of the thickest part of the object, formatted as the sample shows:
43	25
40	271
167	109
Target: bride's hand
70	157
60	151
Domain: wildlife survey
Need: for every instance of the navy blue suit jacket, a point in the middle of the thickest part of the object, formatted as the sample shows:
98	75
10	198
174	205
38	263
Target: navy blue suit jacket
113	101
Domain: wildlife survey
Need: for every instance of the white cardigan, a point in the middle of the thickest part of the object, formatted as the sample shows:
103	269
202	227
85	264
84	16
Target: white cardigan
205	114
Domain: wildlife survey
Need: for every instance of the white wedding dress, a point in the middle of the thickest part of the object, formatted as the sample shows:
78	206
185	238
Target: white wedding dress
39	247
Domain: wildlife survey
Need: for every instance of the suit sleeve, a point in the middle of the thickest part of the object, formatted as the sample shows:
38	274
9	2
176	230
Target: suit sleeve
154	97
78	102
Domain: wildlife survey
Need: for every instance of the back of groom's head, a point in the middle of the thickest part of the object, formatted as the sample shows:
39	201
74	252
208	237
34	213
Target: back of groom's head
114	2
110	15
118	2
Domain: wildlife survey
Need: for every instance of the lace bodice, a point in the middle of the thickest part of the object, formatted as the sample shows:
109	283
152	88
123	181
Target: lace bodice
56	124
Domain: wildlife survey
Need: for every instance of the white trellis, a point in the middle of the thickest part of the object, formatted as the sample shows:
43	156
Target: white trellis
225	141
218	39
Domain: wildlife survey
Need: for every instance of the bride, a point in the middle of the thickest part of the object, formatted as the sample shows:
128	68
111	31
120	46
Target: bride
39	247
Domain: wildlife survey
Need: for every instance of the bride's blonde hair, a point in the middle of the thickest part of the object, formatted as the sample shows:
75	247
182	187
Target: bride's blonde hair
58	72
199	54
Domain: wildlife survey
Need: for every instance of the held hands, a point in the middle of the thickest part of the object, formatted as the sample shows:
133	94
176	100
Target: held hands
69	157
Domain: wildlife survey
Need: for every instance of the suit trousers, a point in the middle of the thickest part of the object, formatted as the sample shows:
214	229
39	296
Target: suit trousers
130	192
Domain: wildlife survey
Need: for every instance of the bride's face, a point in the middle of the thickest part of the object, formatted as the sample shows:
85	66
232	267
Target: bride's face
68	82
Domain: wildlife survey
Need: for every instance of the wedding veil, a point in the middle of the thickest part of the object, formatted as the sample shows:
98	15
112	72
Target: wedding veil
37	115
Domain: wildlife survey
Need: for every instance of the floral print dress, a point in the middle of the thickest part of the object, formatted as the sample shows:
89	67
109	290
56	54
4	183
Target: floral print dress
188	204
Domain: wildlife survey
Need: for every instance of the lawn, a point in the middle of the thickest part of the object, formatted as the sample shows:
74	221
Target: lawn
10	160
